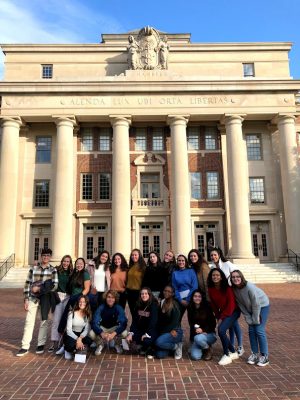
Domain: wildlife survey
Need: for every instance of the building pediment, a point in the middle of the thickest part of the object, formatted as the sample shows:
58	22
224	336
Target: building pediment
149	159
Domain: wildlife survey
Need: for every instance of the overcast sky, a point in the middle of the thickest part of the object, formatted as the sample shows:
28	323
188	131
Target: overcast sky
83	21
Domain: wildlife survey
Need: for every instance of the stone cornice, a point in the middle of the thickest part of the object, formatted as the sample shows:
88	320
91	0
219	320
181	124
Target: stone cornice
120	84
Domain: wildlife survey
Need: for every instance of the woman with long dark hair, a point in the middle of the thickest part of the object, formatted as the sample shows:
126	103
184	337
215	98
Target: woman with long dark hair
98	268
143	330
255	306
225	309
202	327
169	329
201	267
78	326
118	277
137	267
154	275
169	265
64	270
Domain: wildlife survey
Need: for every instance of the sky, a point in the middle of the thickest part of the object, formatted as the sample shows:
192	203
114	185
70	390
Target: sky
83	21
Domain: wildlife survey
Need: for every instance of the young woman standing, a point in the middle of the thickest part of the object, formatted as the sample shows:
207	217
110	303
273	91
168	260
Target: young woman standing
225	309
137	267
201	267
118	277
153	277
255	306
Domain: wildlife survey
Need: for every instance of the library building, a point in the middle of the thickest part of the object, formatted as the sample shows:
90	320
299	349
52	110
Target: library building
148	140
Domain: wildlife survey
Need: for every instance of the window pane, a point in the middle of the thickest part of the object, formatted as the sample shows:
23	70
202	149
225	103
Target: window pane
157	140
195	185
87	140
104	186
141	140
210	139
43	149
41	198
105	140
47	71
248	69
212	180
150	186
253	147
87	187
193	138
257	190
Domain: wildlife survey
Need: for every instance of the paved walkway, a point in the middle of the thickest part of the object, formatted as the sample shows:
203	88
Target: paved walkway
111	376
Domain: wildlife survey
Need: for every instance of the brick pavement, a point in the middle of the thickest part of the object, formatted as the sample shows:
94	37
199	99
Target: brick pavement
111	376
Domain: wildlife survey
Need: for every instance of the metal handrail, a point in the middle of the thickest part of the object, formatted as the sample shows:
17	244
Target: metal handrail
6	265
294	258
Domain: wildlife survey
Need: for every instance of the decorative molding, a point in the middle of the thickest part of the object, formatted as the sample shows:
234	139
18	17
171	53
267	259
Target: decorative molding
149	159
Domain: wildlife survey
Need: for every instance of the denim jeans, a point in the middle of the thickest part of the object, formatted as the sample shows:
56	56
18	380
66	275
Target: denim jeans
201	342
225	325
236	331
166	342
257	333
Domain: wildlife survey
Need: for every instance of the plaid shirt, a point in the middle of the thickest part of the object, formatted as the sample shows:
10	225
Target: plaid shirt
38	273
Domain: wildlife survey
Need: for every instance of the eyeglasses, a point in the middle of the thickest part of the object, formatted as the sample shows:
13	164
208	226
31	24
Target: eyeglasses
46	255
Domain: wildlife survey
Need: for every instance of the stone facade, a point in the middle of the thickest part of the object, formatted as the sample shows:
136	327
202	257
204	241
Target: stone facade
149	140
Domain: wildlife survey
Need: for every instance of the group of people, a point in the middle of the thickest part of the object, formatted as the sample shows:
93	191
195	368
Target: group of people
88	304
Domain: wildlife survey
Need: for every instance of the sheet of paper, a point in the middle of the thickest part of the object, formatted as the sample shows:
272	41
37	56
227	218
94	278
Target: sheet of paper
184	294
80	358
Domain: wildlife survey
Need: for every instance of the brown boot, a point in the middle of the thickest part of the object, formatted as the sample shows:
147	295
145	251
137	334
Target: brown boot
207	354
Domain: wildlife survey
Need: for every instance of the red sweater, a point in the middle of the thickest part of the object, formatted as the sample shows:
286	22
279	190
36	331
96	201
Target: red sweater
223	304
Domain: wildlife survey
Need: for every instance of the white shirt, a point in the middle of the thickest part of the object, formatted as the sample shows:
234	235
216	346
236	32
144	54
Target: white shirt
100	279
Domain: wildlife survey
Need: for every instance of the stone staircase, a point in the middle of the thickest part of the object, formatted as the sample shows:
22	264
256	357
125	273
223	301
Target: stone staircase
15	278
256	273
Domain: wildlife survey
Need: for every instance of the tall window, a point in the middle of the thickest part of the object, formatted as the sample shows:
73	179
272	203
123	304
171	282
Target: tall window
193	138
253	147
141	139
86	186
43	149
248	70
105	140
195	185
87	140
157	139
41	193
257	190
104	186
150	188
47	71
212	182
210	139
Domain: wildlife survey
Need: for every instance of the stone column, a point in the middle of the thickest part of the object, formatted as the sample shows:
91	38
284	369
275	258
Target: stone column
63	191
9	165
121	193
238	191
181	209
290	179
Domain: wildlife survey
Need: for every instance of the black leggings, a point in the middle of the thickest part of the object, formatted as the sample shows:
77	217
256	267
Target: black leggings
70	343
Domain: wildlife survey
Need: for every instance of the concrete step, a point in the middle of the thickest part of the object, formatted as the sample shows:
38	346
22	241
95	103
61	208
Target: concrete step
15	278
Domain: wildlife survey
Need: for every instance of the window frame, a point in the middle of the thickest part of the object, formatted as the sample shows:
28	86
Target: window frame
252	72
210	132
109	186
149	184
82	186
142	133
248	147
190	134
105	132
47	71
217	196
85	134
199	183
41	181
158	136
252	178
40	151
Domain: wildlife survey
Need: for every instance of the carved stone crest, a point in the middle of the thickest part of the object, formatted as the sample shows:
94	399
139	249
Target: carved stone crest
149	51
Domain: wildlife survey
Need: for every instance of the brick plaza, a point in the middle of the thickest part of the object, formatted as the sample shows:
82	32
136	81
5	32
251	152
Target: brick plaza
117	377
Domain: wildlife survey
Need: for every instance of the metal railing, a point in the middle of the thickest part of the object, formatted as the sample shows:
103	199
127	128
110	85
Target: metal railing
6	265
294	258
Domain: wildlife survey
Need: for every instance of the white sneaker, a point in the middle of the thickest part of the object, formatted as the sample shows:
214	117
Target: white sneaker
240	351
68	355
98	350
253	359
60	351
225	360
234	356
178	351
263	361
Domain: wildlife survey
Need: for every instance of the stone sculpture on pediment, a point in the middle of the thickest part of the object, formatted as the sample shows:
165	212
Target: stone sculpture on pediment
148	51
